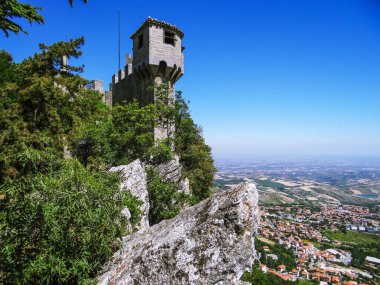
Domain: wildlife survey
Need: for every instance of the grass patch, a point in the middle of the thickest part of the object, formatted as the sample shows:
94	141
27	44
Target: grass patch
264	239
270	184
352	237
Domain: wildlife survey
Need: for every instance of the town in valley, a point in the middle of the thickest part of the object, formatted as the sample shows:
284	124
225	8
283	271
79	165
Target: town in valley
320	221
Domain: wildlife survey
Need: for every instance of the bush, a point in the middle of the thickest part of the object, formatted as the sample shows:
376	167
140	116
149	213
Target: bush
160	153
121	137
60	222
165	201
127	134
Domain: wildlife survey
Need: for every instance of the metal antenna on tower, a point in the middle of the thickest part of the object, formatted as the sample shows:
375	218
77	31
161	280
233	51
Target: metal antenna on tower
119	37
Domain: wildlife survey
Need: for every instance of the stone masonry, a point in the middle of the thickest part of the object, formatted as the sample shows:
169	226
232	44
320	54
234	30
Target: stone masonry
157	58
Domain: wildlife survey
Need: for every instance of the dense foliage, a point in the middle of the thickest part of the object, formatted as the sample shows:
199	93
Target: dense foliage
43	105
164	199
11	9
127	134
285	256
121	136
195	154
360	252
60	220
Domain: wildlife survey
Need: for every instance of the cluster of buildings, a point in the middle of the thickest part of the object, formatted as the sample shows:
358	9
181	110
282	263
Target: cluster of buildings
300	230
323	275
330	217
277	227
362	219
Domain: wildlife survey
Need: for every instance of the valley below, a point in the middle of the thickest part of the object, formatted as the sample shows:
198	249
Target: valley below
306	182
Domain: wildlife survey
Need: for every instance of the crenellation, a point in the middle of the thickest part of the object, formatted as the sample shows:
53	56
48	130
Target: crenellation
98	85
157	58
121	75
115	79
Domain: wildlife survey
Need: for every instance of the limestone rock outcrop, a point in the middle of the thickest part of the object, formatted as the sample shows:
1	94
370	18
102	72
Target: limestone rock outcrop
172	171
209	243
134	180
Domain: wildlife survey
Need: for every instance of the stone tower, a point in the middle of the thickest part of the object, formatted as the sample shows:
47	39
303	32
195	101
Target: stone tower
157	58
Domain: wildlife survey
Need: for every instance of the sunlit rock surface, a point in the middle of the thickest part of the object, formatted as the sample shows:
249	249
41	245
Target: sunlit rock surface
209	243
172	171
134	180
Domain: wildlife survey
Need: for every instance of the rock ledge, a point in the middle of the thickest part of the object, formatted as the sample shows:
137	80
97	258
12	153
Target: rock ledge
209	243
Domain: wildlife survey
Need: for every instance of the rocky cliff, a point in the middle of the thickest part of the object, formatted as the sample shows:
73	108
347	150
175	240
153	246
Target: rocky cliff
133	179
209	243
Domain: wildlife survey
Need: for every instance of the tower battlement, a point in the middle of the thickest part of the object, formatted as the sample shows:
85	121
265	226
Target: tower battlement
157	58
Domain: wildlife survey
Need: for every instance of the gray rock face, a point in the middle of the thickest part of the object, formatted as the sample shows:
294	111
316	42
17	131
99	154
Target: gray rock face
184	186
134	180
171	171
209	243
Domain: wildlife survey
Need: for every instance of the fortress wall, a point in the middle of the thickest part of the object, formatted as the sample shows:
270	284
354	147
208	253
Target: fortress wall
122	90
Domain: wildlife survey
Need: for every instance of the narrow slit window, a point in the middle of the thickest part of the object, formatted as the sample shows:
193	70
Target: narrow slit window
169	38
141	41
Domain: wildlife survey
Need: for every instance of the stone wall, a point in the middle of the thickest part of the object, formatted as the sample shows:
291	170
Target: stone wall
160	51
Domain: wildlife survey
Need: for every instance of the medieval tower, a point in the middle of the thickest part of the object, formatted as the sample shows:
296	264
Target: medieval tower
157	58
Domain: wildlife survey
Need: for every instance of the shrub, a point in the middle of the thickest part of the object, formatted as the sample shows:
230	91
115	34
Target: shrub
160	153
62	225
165	201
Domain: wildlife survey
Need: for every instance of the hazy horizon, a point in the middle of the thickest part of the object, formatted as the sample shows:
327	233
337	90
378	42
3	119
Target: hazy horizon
252	158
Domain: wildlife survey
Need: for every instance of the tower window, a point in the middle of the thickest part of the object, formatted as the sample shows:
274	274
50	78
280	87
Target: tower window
169	38
141	41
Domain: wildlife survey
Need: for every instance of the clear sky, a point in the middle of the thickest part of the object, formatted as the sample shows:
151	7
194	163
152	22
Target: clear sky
264	77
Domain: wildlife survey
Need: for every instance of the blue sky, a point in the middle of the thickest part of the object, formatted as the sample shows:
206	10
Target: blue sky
264	78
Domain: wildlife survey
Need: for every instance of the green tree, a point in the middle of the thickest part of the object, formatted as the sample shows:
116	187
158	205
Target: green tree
46	106
127	134
195	154
7	68
10	9
121	136
257	277
59	222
